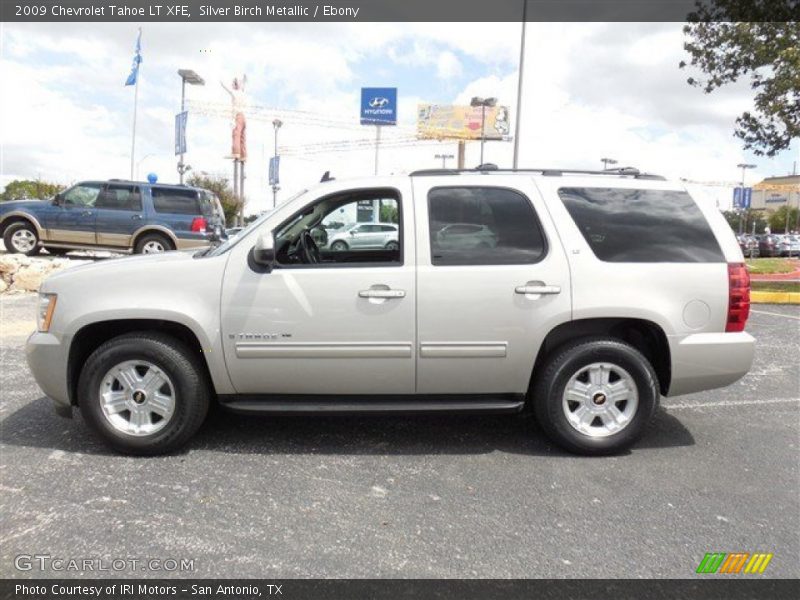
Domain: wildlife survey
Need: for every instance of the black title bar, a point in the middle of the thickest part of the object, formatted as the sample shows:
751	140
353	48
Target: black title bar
397	10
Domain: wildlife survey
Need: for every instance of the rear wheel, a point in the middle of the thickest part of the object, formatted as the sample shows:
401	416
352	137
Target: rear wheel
596	396
153	243
144	393
21	238
393	246
339	246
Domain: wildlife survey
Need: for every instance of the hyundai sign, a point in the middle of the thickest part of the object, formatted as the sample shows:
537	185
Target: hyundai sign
379	106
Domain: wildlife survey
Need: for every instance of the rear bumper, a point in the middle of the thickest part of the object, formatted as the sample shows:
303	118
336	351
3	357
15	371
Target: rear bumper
47	358
705	361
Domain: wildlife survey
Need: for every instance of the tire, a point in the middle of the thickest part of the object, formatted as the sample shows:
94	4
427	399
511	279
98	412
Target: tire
167	425
392	246
21	238
339	246
153	243
575	365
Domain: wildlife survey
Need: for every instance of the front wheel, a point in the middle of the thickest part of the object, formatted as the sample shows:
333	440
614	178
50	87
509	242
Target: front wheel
339	246
144	393
21	238
596	396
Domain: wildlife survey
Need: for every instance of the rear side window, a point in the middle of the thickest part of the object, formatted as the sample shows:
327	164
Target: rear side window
624	225
483	226
120	197
175	201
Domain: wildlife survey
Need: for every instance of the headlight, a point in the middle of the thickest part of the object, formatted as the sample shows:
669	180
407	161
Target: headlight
47	306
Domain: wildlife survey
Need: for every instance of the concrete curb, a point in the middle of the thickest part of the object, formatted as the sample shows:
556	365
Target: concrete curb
775	297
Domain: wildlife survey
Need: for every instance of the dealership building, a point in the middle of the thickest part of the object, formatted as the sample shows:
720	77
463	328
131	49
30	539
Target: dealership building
774	192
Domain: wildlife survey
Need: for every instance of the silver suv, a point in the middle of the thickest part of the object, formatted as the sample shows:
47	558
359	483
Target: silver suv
599	292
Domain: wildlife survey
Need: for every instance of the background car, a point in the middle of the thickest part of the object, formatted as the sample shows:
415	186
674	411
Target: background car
768	245
118	215
790	245
365	236
465	235
748	245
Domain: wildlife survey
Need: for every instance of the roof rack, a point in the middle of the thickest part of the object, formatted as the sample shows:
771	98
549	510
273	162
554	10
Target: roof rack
492	168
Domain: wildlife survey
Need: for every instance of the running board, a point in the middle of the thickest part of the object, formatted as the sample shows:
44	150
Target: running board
366	405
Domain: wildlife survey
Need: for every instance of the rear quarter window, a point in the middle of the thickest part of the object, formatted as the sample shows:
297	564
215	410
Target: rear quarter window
629	225
176	201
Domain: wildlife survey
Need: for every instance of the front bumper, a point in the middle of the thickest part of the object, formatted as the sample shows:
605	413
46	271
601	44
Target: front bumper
704	361
47	357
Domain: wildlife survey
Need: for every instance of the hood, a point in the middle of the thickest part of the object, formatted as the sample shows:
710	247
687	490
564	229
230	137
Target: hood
114	269
16	204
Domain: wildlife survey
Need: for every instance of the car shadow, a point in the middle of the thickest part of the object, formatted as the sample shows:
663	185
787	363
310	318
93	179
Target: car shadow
35	425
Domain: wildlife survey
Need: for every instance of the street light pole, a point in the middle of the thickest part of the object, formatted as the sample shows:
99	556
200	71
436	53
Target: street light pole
483	103
276	125
743	167
187	76
606	162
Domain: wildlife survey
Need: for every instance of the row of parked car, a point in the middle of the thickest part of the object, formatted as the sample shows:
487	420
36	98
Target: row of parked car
769	244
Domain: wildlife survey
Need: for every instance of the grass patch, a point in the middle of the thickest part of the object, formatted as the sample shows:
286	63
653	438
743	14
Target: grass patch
775	286
764	266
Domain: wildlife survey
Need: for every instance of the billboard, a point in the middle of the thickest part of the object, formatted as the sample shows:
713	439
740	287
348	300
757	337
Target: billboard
447	121
379	106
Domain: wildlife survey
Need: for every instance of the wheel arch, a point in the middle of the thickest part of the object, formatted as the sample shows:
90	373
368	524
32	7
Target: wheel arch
87	339
16	217
142	231
646	336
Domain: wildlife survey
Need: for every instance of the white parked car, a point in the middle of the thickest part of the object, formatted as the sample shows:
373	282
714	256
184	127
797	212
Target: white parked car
365	236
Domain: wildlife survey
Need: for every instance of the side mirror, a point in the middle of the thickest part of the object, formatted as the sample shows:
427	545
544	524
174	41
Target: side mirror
58	199
264	252
352	232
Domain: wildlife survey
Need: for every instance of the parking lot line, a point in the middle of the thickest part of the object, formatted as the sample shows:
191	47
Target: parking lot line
763	312
732	403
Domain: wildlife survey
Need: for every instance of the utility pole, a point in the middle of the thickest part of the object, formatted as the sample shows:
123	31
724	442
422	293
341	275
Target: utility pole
444	158
743	167
606	162
519	83
276	125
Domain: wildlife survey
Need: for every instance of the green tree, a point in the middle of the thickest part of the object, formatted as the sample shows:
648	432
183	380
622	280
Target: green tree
27	189
388	213
778	222
731	40
220	186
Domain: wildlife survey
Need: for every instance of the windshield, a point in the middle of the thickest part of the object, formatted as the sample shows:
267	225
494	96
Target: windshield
231	242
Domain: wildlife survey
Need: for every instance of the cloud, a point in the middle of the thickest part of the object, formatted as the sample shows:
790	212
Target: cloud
591	90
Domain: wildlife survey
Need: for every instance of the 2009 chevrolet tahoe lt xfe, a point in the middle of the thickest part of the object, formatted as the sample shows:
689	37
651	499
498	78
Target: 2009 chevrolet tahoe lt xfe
583	295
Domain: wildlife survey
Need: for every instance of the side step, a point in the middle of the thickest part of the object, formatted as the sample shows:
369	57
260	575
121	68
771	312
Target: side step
368	405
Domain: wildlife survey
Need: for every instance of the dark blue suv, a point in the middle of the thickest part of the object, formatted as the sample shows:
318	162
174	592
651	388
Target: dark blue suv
124	216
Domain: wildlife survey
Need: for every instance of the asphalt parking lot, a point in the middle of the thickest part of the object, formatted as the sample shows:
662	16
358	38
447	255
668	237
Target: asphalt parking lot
413	497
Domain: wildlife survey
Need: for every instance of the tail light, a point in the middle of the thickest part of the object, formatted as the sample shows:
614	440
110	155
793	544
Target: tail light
738	297
199	224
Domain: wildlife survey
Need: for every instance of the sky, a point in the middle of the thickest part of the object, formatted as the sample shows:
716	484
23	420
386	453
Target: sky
591	90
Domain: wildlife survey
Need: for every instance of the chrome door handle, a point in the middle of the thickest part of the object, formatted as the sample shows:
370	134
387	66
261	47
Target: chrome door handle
538	289
86	213
137	217
382	294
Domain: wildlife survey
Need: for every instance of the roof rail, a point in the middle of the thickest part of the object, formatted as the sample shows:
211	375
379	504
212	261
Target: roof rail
620	172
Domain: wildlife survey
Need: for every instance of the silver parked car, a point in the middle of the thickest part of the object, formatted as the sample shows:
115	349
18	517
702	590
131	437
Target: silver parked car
576	310
465	235
365	236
